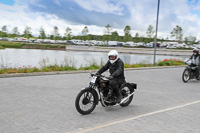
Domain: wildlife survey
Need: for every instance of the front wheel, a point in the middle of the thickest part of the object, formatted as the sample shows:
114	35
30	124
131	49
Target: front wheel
126	90
186	76
85	102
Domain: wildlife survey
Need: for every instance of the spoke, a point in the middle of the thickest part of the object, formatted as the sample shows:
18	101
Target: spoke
89	105
128	92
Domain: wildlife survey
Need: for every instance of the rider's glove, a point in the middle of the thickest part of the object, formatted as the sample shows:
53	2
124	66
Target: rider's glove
110	77
97	73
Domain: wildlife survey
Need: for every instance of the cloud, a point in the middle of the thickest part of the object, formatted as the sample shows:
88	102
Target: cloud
98	13
101	6
95	14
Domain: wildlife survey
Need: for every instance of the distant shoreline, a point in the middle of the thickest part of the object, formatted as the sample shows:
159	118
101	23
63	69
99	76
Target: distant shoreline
143	51
19	45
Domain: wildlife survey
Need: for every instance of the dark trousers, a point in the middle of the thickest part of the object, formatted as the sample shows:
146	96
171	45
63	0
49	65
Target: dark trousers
197	71
115	83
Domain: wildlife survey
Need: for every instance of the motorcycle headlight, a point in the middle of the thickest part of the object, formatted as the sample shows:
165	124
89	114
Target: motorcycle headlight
93	80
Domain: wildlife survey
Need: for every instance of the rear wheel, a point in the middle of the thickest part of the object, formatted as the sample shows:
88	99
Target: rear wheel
126	90
85	102
186	76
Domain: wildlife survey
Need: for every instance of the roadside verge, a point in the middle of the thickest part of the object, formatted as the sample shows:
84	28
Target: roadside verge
78	71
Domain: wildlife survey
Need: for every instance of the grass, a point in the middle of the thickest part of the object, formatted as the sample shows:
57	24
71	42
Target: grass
7	44
2	47
92	66
181	48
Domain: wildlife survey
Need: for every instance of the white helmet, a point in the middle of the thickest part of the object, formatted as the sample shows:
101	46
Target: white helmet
196	50
113	56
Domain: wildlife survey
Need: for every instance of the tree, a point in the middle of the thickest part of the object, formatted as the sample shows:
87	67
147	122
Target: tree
190	40
137	35
108	29
127	34
89	37
150	31
42	33
68	33
4	31
51	37
15	32
107	32
177	33
114	36
85	30
27	32
55	33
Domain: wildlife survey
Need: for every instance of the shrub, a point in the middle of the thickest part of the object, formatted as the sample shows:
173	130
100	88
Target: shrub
170	62
93	66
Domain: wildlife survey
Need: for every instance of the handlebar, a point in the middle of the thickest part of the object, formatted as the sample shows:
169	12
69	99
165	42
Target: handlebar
99	75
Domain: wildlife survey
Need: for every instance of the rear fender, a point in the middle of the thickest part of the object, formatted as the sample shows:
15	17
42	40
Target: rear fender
133	85
96	97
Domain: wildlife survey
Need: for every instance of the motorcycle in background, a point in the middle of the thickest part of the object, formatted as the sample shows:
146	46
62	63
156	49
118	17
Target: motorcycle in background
189	72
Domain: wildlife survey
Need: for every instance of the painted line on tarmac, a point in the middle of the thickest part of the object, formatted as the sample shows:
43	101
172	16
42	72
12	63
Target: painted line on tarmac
136	117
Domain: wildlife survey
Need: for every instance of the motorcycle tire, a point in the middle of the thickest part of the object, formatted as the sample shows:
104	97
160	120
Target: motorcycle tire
85	102
125	91
186	76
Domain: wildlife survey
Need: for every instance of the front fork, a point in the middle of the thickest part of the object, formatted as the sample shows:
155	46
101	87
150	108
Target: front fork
189	71
93	90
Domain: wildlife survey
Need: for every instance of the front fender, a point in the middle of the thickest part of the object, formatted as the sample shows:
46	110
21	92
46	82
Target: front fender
96	97
187	68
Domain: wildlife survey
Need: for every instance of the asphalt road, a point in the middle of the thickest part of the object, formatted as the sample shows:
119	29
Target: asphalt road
45	104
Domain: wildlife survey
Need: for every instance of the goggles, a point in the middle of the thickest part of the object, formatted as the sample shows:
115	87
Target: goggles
112	57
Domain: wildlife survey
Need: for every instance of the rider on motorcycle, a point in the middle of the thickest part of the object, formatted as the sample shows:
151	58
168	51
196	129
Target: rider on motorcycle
116	69
196	61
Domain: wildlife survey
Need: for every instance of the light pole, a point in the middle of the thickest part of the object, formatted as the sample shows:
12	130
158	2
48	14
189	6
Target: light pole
155	44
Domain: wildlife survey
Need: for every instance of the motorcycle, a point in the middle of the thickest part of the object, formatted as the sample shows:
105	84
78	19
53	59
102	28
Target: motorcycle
99	90
189	72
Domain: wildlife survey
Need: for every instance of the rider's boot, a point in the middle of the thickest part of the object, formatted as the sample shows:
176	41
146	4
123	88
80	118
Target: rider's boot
119	96
108	98
197	77
197	73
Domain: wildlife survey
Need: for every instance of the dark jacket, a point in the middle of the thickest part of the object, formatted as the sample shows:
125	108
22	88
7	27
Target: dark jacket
195	59
116	69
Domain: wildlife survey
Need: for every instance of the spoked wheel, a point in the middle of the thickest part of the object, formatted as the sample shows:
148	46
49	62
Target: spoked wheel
85	102
126	90
186	76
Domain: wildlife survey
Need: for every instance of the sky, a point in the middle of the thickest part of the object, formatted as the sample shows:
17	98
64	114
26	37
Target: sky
96	14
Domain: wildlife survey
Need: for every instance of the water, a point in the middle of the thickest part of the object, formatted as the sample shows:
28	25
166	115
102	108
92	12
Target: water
16	58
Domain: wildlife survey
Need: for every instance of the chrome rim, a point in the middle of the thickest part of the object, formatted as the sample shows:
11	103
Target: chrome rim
86	101
186	75
127	92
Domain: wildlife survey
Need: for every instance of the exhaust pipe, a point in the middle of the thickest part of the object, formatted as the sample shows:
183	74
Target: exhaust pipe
126	98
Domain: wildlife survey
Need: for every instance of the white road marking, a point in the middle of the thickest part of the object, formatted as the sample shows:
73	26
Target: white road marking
136	117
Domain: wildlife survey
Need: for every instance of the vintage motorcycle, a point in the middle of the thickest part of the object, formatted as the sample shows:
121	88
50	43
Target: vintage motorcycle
99	90
189	72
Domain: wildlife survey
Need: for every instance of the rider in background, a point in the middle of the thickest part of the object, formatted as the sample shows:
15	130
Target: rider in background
116	69
196	61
